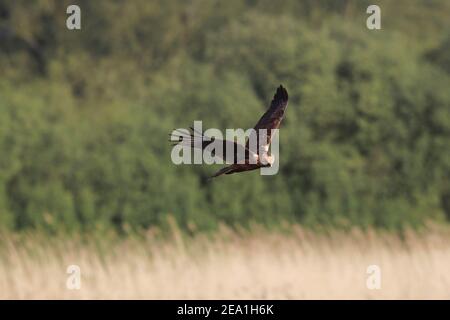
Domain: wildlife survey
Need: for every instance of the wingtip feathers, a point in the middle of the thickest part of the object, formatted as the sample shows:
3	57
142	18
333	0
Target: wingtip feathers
281	93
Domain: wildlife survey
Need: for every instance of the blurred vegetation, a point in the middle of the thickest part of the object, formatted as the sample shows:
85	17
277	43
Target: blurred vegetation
84	115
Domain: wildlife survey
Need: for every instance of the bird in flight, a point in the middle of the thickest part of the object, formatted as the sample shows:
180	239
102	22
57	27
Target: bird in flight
253	157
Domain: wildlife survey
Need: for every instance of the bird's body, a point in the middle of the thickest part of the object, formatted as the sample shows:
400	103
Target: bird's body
248	157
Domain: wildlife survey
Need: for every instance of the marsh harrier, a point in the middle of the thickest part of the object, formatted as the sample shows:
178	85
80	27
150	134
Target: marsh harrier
254	158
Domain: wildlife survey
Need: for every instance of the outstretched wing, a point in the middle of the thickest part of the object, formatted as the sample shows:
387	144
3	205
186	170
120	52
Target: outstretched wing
195	139
236	168
272	118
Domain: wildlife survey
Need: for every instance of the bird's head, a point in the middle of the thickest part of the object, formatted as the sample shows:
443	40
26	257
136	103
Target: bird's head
268	160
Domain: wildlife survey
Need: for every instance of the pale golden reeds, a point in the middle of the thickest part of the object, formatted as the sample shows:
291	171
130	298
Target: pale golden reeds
298	264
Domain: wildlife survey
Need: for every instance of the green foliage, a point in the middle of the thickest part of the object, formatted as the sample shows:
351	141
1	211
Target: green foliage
84	115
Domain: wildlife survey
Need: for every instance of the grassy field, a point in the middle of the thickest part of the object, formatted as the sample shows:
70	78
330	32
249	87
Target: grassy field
298	264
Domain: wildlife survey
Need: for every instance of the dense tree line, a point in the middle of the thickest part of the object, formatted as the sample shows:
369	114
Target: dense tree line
84	115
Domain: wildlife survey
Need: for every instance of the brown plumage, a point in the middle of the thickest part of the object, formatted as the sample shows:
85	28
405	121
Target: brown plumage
270	120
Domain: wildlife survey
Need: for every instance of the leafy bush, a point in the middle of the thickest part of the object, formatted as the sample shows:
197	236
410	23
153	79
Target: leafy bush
84	115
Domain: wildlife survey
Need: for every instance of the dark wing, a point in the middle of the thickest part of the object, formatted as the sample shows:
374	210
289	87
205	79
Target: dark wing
273	116
234	168
195	139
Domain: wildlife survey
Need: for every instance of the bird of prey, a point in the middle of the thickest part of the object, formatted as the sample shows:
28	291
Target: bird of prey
270	120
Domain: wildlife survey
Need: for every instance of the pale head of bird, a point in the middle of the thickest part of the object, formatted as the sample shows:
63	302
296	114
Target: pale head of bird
267	160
